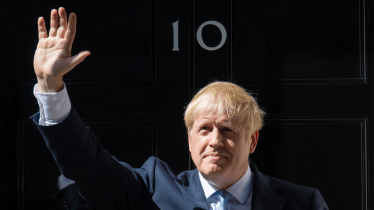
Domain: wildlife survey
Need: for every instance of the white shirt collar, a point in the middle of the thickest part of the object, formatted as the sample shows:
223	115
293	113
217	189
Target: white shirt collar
240	189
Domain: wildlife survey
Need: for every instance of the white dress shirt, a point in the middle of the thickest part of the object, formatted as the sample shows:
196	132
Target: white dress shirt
55	108
241	192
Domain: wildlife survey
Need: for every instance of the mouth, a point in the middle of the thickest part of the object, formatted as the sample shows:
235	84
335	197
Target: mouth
214	157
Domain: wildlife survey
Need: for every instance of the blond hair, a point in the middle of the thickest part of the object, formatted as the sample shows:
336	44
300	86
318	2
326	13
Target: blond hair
225	98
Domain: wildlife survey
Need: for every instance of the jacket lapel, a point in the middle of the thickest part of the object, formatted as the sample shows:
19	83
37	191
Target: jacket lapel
193	191
264	196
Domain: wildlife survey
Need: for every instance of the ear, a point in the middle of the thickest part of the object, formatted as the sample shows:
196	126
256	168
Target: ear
254	139
189	141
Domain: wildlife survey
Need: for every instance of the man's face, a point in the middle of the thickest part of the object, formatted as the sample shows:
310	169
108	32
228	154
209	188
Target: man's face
219	146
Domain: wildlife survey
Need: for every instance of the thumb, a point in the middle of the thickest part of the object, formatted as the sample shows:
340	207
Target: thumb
76	59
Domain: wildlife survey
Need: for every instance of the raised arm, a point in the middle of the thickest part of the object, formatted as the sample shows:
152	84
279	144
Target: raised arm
103	181
53	58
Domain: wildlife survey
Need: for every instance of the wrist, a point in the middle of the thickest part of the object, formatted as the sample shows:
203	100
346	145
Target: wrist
50	85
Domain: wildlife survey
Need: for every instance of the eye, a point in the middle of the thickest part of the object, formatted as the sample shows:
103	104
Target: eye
229	131
205	129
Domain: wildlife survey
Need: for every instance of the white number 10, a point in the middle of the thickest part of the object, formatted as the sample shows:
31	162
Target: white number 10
199	36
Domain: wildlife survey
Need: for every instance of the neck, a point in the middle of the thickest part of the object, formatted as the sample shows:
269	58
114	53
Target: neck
223	181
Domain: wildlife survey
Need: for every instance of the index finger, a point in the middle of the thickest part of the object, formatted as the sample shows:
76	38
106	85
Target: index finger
41	28
70	32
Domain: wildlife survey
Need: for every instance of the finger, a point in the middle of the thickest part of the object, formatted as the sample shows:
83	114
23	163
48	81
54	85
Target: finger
54	23
41	28
62	25
75	60
70	32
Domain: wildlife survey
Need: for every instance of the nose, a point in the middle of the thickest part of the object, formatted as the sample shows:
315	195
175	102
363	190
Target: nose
216	139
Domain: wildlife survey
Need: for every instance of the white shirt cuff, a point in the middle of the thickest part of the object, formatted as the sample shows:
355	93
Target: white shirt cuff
54	107
64	182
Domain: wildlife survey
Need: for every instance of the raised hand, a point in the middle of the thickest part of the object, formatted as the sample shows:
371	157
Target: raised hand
52	58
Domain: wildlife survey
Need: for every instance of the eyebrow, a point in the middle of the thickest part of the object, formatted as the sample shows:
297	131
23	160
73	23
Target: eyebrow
225	122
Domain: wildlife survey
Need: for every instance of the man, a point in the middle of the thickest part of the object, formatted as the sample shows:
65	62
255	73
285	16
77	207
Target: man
222	122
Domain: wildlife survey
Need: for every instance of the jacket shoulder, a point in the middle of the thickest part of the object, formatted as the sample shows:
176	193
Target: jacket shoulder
289	186
155	170
298	196
153	164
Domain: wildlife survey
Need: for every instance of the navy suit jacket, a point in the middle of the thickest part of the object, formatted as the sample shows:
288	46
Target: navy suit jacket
107	183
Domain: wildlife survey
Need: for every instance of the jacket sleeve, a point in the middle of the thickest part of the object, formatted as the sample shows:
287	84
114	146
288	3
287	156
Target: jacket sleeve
69	198
318	203
103	181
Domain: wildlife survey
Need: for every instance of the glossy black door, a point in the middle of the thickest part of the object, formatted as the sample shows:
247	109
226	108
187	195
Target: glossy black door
308	62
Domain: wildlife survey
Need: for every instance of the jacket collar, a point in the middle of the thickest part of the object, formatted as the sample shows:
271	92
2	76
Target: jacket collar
264	192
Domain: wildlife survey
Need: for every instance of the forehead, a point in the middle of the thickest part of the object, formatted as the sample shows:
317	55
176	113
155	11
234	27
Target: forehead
213	118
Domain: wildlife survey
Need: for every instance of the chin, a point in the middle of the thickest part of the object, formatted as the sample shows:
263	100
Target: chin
212	169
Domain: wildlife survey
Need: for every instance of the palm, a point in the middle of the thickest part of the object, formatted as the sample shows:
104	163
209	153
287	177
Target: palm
50	56
53	54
